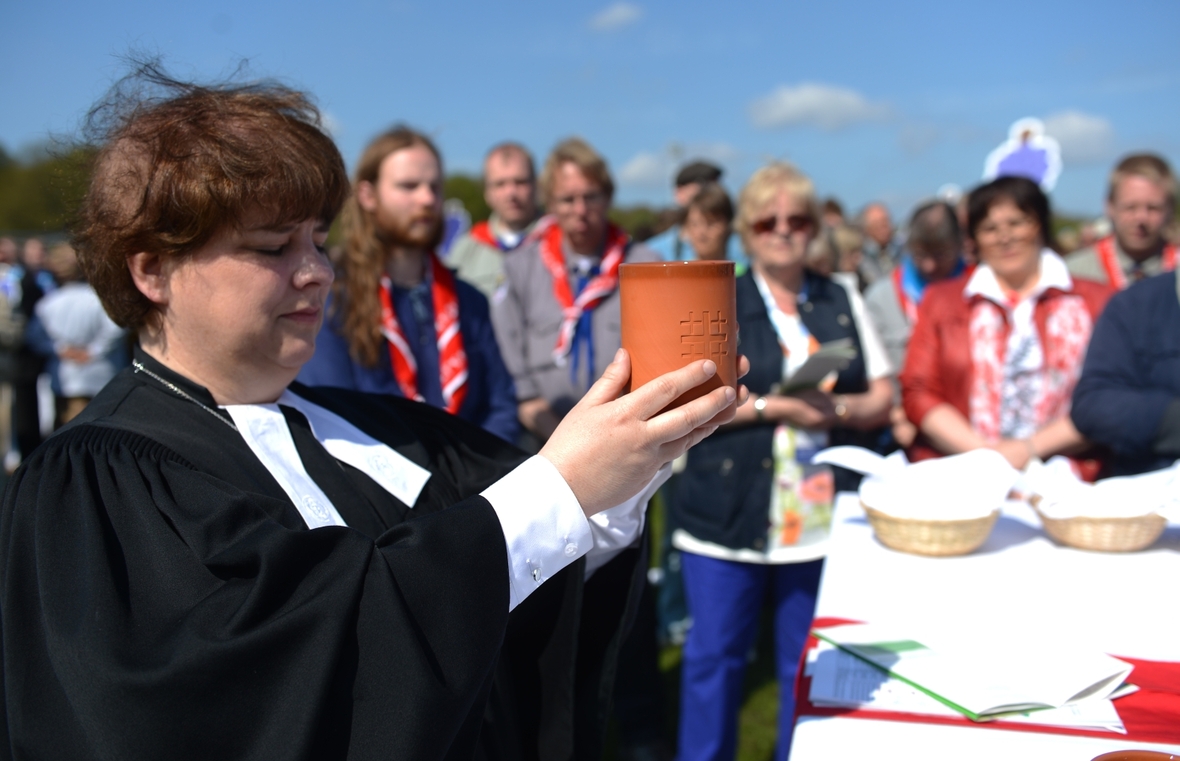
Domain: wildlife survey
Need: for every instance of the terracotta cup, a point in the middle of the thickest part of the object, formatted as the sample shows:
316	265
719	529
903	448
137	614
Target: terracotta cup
675	313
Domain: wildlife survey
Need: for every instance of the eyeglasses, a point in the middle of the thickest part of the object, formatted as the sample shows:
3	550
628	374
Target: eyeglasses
795	223
593	198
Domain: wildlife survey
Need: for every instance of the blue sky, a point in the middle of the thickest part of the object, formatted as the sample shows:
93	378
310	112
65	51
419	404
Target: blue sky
874	100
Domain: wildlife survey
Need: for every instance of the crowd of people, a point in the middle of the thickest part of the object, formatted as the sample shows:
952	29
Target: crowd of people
52	328
968	329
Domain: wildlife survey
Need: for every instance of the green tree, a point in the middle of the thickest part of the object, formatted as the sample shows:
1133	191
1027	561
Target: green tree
42	193
640	221
468	190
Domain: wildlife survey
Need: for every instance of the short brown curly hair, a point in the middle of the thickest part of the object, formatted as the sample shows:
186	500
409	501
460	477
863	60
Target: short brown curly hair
176	166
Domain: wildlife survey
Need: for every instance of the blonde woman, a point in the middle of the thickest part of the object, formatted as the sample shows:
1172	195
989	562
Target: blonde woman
722	500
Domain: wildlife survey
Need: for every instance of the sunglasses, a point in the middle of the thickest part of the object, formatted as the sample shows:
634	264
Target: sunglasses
795	223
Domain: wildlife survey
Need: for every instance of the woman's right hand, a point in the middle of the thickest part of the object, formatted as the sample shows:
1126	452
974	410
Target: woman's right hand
611	445
1018	452
904	432
810	408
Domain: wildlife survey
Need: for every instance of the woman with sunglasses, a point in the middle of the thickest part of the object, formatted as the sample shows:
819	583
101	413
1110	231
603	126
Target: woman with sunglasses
212	561
724	497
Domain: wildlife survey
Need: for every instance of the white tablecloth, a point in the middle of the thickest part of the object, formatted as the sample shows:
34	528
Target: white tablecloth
1018	582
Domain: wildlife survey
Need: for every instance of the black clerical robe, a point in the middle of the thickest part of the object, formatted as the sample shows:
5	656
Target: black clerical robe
161	597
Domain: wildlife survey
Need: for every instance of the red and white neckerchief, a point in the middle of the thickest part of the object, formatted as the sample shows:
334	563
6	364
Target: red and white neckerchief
549	234
1109	259
452	359
481	232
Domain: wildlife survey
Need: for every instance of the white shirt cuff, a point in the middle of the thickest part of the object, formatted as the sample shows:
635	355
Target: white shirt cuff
544	526
619	527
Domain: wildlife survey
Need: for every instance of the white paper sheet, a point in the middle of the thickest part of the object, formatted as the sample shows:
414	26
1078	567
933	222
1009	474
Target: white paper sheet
840	680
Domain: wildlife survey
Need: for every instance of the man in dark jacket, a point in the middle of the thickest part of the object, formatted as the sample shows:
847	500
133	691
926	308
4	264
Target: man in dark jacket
1128	398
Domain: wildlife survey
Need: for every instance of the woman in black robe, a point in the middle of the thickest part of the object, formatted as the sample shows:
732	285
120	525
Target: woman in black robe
213	562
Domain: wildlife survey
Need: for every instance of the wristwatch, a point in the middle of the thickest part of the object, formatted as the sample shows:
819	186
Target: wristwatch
841	409
760	408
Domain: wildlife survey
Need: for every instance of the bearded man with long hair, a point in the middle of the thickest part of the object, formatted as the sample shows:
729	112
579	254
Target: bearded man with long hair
399	321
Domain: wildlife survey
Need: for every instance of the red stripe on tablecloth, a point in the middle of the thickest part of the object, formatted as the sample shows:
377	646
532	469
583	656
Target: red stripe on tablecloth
1150	715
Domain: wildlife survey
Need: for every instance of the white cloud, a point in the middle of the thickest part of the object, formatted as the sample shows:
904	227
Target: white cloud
650	169
721	153
615	16
647	170
827	107
1084	138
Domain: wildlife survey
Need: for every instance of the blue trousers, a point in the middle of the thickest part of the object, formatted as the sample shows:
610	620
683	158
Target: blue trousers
725	599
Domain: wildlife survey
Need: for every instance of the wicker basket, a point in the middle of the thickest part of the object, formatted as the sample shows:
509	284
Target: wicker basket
935	538
1105	534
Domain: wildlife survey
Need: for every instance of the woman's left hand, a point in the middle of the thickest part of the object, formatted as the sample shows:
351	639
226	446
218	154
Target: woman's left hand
610	446
1018	452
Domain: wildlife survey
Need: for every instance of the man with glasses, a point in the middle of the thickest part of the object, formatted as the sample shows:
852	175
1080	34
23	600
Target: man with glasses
558	324
1139	202
557	315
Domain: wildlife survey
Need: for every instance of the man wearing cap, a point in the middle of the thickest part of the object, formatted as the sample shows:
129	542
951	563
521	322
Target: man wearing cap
510	189
1139	203
672	244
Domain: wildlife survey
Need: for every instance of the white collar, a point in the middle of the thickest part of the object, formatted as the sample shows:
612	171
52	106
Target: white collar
266	433
1054	274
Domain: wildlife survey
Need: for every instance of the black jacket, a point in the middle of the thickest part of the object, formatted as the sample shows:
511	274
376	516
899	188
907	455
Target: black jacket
161	597
723	496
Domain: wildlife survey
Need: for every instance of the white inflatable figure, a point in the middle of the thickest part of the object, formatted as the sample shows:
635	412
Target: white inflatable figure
1028	152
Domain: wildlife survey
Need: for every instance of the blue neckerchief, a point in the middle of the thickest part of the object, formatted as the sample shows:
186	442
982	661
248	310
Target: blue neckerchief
503	243
914	284
583	335
414	308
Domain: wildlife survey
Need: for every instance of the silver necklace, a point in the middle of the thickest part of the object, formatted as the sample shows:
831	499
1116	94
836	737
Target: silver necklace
139	368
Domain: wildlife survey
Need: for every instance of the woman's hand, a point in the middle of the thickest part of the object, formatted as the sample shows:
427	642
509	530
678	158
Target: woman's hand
609	446
74	354
904	432
1018	452
1058	437
810	408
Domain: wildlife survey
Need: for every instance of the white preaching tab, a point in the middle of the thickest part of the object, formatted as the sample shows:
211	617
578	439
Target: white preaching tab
394	472
266	433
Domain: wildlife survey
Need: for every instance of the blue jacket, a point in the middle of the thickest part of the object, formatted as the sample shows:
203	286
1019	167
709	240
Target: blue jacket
491	396
1128	398
723	495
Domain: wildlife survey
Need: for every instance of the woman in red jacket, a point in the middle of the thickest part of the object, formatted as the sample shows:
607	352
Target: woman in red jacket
996	352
